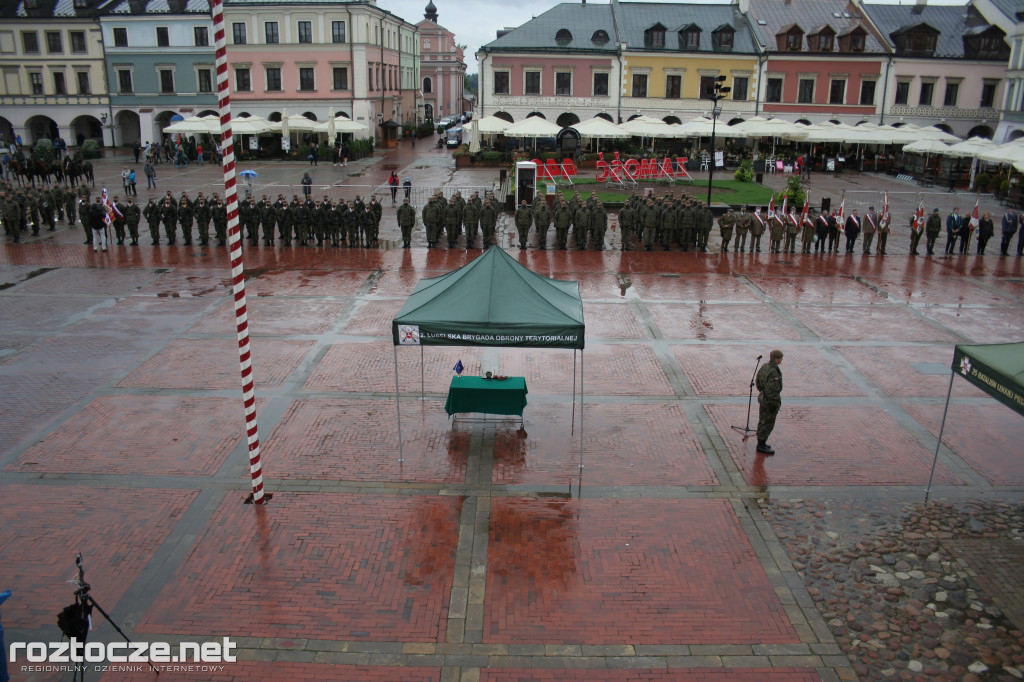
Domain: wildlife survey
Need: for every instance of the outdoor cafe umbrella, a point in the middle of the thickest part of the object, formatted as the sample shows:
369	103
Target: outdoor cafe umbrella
341	123
927	146
489	125
195	124
970	149
598	128
250	125
774	128
534	126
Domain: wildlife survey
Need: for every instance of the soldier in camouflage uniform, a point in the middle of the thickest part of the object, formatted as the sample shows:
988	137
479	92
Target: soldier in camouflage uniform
220	220
152	214
488	221
203	216
132	216
169	216
769	400
726	224
185	217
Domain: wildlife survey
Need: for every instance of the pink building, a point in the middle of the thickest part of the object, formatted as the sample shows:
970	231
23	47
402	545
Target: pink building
442	68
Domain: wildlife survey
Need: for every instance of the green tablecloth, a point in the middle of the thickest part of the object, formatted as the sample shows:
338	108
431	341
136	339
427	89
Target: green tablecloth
486	396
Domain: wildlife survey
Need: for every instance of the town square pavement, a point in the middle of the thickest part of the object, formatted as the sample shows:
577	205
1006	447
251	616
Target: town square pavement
674	553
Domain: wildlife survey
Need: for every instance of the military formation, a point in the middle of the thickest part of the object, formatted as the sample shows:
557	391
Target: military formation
447	219
29	210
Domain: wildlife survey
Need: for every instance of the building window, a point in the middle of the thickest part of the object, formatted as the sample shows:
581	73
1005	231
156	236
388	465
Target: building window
531	84
867	93
270	34
740	85
856	42
902	93
163	39
600	84
166	81
691	39
273	78
35	80
305	31
837	91
60	85
724	39
428	86
707	87
83	83
805	91
81	4
306	78
501	82
793	41
238	33
563	83
121	37
927	91
340	78
78	42
205	79
824	42
338	32
952	90
202	36
53	42
988	93
773	90
243	80
673	87
656	37
30	42
124	81
639	85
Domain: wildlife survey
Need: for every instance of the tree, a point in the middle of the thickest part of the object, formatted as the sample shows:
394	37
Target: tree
470	82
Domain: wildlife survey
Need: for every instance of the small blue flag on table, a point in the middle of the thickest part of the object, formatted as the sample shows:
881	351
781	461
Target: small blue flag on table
458	367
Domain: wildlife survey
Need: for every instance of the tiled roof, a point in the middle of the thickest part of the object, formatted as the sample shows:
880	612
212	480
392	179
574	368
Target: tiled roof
952	23
768	16
636	17
581	20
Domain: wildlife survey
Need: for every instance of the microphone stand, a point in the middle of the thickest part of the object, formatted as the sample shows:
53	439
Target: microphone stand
746	430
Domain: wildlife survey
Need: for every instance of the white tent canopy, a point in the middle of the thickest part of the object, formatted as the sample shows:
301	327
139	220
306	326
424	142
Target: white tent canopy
534	126
488	125
599	127
770	127
342	124
195	124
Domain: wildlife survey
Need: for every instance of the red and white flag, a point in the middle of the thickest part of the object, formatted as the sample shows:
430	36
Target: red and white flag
885	209
919	217
785	198
807	207
842	213
771	207
974	220
109	209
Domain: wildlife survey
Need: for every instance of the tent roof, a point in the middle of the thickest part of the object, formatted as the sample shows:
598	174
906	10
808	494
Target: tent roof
492	301
996	368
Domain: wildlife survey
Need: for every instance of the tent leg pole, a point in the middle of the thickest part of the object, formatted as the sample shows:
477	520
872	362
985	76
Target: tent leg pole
423	395
398	410
572	419
581	409
945	411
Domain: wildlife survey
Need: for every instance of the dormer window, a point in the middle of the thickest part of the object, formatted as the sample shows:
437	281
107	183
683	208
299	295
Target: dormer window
789	38
654	37
600	37
563	37
921	43
689	37
853	39
823	42
857	42
986	44
723	38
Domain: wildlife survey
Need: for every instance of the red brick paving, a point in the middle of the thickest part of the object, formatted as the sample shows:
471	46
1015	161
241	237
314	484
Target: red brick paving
839	445
868	323
612	321
245	671
74	353
32	402
373	318
632	444
117	531
816	290
357	567
370	366
675	675
626	571
270	316
610	369
43	313
212	364
106	281
939	291
718	322
985	436
185	283
401	283
11	343
143	435
357	440
980	325
306	282
700	287
892	368
721	370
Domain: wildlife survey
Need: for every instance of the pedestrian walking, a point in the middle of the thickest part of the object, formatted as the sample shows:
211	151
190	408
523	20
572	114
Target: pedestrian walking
307	185
150	175
769	400
132	189
136	150
393	184
407	187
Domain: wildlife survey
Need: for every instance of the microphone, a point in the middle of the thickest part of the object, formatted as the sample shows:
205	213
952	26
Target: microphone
759	357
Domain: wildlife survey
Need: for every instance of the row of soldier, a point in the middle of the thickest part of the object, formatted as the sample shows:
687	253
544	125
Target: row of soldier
451	216
31	209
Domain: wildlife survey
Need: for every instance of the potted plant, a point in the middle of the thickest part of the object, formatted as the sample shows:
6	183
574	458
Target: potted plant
91	149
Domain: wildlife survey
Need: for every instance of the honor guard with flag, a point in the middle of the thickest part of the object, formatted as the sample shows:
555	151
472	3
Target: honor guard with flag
916	228
821	230
883	225
806	226
869	226
972	225
840	224
852	231
792	230
757	227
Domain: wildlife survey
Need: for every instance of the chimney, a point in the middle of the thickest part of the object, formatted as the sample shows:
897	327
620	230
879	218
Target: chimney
743	6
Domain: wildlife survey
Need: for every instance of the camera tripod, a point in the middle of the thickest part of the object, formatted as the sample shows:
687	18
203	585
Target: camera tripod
75	620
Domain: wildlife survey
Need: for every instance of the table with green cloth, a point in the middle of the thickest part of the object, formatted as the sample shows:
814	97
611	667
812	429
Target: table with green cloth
486	396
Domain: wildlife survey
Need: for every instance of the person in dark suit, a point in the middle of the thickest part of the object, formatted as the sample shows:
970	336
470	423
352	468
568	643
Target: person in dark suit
954	230
852	230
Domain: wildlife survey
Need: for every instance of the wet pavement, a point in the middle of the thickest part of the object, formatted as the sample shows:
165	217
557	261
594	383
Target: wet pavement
676	553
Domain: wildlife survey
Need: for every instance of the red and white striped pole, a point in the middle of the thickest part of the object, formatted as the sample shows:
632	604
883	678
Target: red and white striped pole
235	246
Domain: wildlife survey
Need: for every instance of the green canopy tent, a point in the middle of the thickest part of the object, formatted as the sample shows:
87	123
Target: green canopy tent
492	301
995	368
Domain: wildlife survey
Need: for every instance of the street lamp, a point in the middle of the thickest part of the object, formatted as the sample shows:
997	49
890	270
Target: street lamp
716	94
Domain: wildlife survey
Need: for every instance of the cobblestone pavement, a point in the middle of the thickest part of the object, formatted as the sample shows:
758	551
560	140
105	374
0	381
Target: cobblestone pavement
675	553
